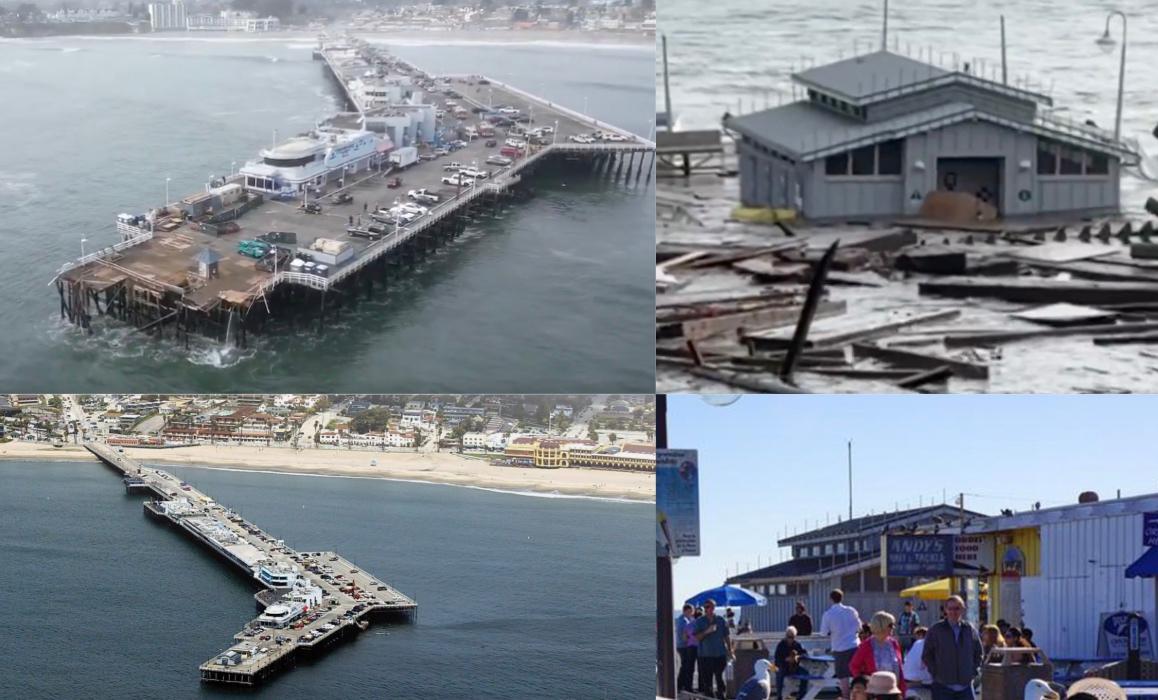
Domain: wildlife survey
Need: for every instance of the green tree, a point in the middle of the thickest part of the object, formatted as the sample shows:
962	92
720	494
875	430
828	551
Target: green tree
375	420
55	402
323	404
613	437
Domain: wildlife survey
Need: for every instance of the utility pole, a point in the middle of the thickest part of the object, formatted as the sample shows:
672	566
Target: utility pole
665	619
850	479
885	29
666	86
1004	74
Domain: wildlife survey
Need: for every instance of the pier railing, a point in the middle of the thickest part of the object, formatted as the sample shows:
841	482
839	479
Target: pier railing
107	252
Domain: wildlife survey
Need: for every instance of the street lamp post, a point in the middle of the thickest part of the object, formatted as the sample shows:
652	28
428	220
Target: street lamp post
167	190
1107	43
82	242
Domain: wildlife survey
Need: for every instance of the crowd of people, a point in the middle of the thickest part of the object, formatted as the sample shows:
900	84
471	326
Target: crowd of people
874	660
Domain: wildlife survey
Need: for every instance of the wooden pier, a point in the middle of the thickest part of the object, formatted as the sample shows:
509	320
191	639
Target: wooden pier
350	597
151	281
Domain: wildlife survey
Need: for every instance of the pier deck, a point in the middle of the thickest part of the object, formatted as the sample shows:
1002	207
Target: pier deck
341	613
150	278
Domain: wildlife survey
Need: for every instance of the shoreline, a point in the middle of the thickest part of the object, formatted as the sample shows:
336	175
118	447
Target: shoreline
428	468
595	40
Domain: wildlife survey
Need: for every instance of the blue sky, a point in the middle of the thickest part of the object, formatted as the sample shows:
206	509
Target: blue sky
774	463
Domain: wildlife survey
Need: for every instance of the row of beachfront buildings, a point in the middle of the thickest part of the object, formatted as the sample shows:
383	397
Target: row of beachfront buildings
1067	572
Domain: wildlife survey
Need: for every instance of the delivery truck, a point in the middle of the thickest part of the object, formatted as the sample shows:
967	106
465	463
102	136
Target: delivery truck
404	156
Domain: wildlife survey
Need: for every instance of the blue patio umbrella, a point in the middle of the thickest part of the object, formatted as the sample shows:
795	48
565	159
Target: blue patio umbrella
728	596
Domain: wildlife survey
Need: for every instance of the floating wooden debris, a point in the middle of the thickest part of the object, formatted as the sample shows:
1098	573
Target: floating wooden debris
909	358
1011	336
1038	290
1059	252
934	260
1059	315
1127	339
758	319
846	329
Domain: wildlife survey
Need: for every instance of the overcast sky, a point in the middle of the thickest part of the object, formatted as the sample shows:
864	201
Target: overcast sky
770	464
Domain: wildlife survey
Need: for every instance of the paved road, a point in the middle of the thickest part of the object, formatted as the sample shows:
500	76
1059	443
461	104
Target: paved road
578	428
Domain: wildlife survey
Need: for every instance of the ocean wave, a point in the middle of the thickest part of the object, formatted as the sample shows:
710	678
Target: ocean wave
546	43
16	66
17	188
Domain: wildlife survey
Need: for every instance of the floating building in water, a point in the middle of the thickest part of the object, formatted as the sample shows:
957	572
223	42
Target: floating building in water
878	133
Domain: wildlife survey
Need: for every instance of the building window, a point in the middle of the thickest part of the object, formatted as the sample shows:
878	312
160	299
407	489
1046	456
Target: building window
828	549
840	548
782	589
1046	157
889	157
856	545
1071	161
863	160
1097	164
816	551
836	165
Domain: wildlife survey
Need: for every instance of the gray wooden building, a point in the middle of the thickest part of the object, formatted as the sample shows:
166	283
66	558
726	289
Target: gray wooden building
845	555
879	131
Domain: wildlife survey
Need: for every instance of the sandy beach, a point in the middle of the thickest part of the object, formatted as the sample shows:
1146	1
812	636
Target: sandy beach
441	468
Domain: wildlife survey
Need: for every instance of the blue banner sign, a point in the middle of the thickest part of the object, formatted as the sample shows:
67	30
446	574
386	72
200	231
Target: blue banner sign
919	555
677	503
1150	529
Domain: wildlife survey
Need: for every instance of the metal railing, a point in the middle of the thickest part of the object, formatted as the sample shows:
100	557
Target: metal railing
106	252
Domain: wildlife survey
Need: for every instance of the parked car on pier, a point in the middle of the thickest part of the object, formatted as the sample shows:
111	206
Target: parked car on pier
423	195
342	198
457	181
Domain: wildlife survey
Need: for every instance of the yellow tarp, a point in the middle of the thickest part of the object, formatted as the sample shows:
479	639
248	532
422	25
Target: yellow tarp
762	215
933	590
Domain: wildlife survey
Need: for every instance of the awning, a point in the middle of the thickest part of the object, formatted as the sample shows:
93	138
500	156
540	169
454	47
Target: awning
1146	565
934	590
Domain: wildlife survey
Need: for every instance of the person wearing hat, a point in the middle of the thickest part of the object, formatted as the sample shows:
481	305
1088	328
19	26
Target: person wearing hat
715	647
759	686
882	685
952	653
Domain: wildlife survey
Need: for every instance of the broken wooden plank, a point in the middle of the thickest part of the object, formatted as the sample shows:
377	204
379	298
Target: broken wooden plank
858	373
864	278
681	260
1036	290
762	318
1144	251
1011	336
879	240
768	270
1059	315
908	358
933	260
1060	252
729	257
1125	339
844	329
935	374
760	385
1098	270
811	302
731	294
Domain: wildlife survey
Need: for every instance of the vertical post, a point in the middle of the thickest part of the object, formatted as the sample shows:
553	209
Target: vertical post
850	479
1121	82
1004	72
885	28
666	87
665	621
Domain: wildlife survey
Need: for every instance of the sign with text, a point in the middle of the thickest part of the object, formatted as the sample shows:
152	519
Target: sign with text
1150	529
1120	630
918	555
677	503
974	550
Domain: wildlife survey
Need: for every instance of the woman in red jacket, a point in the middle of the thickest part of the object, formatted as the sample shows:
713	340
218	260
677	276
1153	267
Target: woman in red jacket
880	652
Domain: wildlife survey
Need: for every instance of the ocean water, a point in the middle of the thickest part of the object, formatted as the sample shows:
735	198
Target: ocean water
519	597
1050	43
553	296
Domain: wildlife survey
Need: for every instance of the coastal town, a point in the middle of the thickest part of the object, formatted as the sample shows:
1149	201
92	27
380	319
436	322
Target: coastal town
574	445
626	18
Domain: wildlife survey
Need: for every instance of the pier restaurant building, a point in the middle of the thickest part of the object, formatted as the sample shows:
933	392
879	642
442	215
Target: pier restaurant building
876	133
